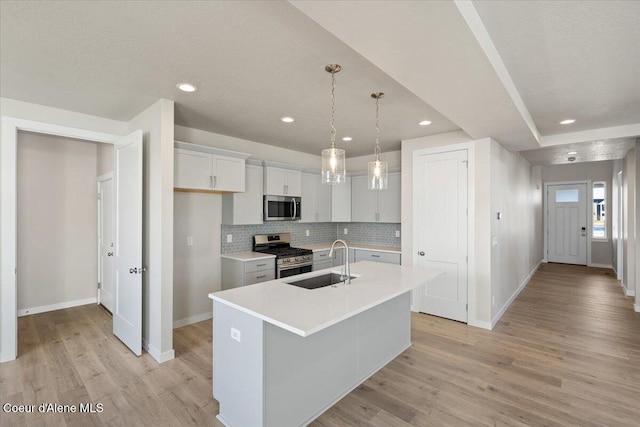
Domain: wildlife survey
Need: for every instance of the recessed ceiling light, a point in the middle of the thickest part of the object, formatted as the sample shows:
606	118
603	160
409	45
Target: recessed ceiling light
567	122
425	123
186	87
288	119
571	159
571	153
347	138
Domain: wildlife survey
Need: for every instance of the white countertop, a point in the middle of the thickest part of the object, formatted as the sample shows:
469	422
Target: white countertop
247	256
304	311
327	246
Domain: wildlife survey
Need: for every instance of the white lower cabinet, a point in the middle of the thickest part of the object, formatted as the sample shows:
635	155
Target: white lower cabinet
376	256
236	273
321	260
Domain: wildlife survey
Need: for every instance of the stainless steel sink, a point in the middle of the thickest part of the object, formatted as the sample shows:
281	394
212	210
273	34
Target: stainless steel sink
319	281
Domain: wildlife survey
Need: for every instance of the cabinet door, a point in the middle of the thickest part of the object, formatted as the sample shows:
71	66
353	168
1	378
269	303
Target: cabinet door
389	200
245	208
341	201
293	183
275	180
228	174
323	201
192	170
364	202
321	265
309	197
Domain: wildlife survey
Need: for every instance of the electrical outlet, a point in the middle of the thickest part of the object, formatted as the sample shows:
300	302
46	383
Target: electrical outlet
229	238
494	241
397	233
306	233
190	241
236	335
346	231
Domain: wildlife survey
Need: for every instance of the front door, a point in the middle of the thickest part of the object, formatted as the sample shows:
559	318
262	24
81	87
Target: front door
105	243
440	222
567	223
127	309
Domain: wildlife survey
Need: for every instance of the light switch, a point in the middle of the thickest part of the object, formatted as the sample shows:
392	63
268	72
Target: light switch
236	335
397	233
306	233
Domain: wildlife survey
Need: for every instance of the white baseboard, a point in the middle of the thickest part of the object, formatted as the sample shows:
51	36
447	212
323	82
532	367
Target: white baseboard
58	306
628	292
636	308
192	319
504	308
601	265
156	354
479	324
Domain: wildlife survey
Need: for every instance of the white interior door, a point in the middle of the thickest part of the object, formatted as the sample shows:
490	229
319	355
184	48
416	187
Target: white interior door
106	244
127	310
440	223
567	223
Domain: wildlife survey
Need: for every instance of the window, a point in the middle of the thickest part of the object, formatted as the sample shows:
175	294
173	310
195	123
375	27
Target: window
567	196
599	211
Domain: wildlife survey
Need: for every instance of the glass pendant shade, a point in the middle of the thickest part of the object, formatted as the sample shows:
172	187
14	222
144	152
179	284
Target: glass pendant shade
378	175
377	170
334	169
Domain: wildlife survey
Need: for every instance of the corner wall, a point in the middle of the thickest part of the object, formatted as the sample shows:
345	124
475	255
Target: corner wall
517	238
157	244
629	172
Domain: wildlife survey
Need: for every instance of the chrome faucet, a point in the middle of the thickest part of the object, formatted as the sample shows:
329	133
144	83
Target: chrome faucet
346	271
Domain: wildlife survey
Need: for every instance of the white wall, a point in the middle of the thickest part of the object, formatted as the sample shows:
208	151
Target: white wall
636	213
157	245
601	253
196	268
105	158
57	222
516	192
258	151
629	171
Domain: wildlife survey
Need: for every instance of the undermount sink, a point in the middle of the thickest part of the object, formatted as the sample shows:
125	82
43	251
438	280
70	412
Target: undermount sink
319	281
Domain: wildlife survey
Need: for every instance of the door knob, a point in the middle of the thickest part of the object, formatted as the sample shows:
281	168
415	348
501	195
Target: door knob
421	253
109	253
133	270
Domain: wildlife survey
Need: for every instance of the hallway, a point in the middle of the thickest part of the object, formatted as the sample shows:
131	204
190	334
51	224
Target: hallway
567	352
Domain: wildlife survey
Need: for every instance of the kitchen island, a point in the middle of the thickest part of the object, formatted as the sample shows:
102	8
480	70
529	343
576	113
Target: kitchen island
282	355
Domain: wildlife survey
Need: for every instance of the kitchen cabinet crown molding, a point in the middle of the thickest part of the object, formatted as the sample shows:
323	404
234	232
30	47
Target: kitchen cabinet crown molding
283	165
210	150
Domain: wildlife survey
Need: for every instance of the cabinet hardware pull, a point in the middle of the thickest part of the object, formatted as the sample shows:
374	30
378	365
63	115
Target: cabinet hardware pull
375	256
211	181
260	265
215	181
261	277
421	253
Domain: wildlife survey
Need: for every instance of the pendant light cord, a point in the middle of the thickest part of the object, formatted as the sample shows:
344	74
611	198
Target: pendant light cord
333	109
377	153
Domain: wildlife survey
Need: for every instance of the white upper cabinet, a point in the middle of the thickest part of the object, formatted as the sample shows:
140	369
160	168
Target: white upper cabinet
341	201
316	199
375	205
282	182
245	208
197	167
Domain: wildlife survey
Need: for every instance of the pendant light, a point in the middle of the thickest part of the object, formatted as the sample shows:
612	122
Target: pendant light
333	159
377	170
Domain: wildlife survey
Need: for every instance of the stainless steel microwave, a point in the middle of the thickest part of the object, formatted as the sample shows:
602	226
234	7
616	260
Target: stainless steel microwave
281	208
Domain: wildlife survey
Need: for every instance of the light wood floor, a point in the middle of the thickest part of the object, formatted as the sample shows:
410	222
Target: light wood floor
566	353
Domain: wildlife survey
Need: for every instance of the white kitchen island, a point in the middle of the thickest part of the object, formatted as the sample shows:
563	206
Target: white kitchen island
282	354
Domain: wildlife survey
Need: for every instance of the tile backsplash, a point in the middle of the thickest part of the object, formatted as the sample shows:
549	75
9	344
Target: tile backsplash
358	232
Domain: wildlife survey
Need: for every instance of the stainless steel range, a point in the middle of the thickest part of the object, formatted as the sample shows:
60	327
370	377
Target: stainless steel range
289	261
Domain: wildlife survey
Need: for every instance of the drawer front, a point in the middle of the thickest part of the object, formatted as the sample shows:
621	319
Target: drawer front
260	265
375	256
259	276
321	265
321	256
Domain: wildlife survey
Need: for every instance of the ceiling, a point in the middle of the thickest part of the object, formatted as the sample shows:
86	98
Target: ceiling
509	70
593	151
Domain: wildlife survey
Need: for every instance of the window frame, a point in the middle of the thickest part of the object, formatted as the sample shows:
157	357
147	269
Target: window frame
593	212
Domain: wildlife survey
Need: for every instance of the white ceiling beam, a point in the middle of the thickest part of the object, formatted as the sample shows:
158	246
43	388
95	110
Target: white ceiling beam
625	131
471	17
